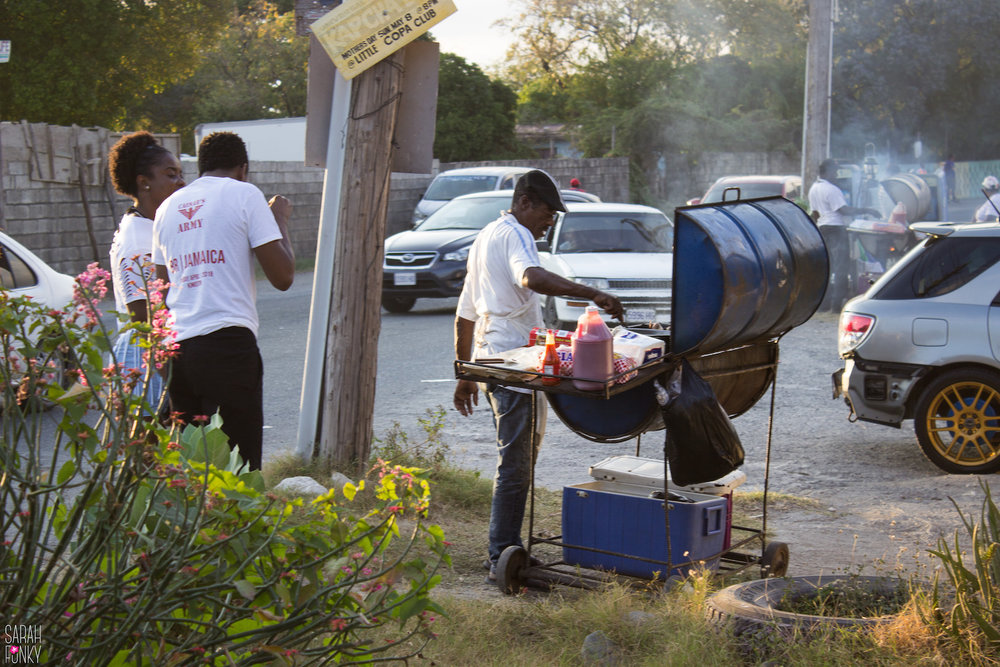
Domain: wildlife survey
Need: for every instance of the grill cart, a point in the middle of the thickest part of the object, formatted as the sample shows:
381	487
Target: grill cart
745	272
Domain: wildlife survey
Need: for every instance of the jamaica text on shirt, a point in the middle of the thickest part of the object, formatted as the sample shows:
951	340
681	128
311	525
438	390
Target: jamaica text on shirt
212	256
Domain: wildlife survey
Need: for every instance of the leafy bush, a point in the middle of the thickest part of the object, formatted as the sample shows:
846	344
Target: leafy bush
973	619
130	542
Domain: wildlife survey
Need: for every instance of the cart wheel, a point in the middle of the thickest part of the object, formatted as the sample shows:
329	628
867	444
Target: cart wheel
511	564
774	561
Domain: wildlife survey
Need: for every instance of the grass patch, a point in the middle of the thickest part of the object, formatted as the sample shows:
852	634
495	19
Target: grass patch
750	505
848	599
644	625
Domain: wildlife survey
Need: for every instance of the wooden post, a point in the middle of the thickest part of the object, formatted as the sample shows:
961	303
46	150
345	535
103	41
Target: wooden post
816	130
355	317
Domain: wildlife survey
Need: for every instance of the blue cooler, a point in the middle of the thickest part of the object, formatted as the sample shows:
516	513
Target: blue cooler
648	473
629	520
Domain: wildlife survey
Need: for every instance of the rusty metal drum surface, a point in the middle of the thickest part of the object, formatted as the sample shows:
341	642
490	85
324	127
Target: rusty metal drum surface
621	417
912	191
744	271
738	377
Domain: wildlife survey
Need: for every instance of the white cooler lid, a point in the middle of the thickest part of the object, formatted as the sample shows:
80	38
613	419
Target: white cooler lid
649	473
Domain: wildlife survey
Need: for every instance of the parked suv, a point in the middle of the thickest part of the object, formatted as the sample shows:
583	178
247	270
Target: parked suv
457	182
923	343
429	260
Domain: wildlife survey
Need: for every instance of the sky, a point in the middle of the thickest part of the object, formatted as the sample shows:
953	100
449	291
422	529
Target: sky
469	32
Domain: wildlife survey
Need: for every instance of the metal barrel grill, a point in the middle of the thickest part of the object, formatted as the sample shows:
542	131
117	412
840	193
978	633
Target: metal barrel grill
745	272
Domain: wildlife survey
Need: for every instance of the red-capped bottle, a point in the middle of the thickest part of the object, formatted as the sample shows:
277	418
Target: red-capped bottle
550	360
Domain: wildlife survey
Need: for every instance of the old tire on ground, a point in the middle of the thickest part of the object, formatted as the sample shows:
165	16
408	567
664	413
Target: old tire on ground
510	566
398	304
774	561
751	605
957	421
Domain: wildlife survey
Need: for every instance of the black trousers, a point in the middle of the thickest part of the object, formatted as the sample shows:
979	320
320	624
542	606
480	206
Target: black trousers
839	251
222	371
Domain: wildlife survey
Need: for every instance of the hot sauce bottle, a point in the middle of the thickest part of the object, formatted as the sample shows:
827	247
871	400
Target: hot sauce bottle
550	360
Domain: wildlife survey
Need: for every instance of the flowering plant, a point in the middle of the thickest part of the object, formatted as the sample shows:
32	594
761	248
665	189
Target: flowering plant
127	541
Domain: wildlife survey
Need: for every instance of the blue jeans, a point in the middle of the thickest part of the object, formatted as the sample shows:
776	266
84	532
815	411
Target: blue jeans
513	421
129	353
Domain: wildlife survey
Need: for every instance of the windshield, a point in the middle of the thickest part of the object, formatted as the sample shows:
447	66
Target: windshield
473	213
445	188
613	232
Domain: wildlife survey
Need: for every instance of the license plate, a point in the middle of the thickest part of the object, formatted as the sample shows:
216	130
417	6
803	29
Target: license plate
404	279
640	315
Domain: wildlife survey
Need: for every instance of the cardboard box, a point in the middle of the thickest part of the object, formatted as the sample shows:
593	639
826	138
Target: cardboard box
626	520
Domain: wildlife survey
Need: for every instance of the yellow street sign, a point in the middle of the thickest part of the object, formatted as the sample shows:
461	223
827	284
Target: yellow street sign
359	33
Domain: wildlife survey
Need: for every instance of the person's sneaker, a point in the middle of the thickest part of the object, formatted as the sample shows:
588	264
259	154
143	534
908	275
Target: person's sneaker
491	578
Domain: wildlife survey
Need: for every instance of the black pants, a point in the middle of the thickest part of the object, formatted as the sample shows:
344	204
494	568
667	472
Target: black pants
222	371
837	248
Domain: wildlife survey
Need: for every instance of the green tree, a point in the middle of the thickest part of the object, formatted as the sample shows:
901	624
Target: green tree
87	62
910	68
475	114
256	69
654	80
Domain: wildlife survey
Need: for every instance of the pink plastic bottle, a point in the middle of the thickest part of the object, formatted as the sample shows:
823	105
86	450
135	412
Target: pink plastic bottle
592	357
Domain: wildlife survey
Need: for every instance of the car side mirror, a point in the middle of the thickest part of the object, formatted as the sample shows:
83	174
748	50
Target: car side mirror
542	245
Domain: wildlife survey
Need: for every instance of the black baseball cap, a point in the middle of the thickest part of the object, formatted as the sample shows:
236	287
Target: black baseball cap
542	185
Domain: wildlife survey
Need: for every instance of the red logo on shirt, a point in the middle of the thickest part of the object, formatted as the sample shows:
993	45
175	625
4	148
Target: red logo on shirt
189	212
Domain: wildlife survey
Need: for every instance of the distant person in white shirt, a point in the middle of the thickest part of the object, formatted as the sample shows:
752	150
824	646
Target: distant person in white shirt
205	239
988	211
829	208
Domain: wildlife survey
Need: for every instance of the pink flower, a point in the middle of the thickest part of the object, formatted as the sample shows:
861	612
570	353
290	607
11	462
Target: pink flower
338	624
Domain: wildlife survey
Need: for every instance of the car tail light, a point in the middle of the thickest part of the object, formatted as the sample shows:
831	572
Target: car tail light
853	329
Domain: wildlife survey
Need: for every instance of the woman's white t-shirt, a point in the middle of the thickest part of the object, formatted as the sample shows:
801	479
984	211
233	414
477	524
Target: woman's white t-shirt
131	260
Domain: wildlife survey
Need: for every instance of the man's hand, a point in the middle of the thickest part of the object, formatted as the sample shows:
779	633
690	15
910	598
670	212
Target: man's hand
611	305
466	396
281	208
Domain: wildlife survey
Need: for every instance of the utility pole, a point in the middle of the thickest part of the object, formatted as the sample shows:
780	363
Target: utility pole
819	64
355	306
357	114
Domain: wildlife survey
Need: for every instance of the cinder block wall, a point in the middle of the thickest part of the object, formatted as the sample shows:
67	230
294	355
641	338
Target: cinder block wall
45	207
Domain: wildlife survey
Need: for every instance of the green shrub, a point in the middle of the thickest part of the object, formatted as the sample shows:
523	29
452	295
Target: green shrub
128	542
970	612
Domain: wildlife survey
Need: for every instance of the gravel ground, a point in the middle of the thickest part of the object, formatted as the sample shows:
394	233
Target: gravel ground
878	502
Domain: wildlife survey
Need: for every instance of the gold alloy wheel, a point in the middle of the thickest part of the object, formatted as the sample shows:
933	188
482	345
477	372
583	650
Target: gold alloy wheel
961	424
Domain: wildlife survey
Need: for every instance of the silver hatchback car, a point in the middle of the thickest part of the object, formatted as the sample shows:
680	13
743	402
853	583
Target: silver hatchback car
923	343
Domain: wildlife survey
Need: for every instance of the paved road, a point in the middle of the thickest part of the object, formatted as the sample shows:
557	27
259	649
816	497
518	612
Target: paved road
878	498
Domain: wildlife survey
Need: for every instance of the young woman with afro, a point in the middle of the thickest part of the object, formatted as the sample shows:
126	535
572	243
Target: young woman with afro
147	172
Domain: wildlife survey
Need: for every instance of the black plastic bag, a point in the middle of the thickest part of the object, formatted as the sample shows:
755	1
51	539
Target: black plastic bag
701	443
